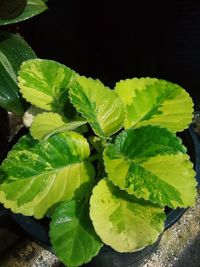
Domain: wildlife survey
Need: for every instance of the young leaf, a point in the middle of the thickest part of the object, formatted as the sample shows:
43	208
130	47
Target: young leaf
155	102
98	104
33	8
72	234
44	83
150	162
123	222
13	51
41	174
49	123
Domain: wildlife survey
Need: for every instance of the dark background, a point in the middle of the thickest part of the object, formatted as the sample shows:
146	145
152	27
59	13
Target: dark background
113	40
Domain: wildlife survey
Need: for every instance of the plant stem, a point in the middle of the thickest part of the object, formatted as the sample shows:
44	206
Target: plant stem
94	157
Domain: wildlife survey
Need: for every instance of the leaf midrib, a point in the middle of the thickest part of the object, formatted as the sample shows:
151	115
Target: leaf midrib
93	118
159	102
76	231
125	222
8	67
138	162
56	170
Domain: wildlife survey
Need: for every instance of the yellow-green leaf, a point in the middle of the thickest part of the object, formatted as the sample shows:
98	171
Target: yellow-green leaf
150	162
44	83
123	222
48	123
39	175
98	104
155	102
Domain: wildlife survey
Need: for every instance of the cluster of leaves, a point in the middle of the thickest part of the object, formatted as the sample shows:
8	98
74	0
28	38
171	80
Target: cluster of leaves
103	163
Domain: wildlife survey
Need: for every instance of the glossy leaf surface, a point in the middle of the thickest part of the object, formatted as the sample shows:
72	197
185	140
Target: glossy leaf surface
13	51
72	234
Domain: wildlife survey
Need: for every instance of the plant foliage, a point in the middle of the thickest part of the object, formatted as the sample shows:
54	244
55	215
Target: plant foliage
145	165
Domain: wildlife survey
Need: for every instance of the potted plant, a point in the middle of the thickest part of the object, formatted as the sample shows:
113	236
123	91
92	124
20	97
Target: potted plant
102	164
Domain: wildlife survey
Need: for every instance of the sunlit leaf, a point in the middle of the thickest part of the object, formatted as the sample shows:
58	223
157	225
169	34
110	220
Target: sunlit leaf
98	104
150	162
123	222
49	123
44	83
155	102
40	174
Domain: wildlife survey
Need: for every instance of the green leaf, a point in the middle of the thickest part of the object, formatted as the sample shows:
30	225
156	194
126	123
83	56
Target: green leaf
48	123
156	102
44	83
150	162
33	8
40	174
123	222
98	104
13	51
72	234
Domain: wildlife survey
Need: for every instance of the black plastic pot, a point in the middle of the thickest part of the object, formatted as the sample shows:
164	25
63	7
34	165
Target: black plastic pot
107	257
38	231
